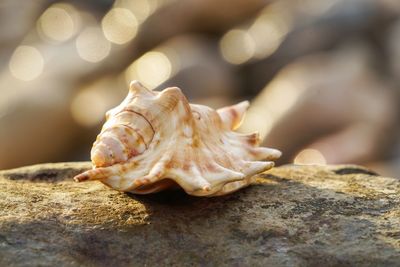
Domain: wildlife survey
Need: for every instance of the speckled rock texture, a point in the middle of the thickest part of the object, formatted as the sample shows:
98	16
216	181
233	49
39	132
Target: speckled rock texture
292	216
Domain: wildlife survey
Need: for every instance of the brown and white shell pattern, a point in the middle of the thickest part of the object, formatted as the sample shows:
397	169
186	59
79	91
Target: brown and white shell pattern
157	140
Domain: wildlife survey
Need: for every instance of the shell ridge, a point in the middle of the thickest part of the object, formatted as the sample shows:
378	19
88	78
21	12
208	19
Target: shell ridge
155	173
144	117
138	133
232	116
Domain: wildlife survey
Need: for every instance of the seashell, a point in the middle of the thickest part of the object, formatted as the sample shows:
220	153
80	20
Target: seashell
157	140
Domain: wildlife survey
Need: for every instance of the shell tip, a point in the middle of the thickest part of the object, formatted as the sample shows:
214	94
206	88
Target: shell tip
245	104
135	83
136	87
206	188
81	177
275	153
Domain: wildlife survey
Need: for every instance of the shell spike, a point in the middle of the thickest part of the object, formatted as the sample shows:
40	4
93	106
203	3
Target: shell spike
265	153
254	167
95	174
203	183
154	175
227	175
136	88
196	183
171	93
232	116
171	97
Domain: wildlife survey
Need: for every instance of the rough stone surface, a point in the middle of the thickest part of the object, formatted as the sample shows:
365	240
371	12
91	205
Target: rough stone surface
292	216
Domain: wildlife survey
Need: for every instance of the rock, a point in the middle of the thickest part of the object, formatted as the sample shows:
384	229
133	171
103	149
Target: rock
292	216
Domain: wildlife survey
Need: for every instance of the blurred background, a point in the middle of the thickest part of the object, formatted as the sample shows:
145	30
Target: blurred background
323	77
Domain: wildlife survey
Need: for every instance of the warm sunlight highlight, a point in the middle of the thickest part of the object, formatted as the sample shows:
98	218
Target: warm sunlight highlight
310	156
152	69
58	23
237	46
92	46
119	25
26	63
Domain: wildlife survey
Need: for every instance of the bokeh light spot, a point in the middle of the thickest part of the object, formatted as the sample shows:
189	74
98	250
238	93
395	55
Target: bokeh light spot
91	45
267	33
274	101
152	69
310	157
88	108
26	63
119	25
140	8
57	22
237	46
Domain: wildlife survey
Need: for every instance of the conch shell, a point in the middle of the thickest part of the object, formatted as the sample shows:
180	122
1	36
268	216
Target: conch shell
157	140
